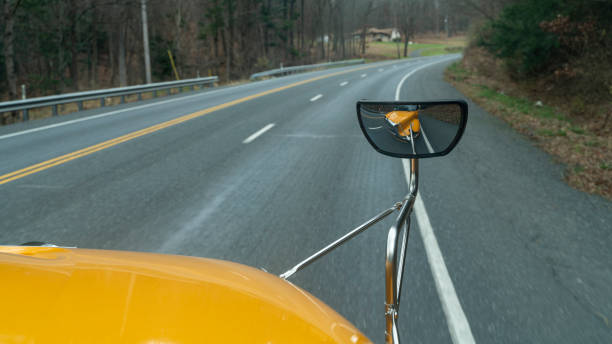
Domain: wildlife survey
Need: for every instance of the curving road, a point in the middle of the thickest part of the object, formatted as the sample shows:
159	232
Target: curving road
268	172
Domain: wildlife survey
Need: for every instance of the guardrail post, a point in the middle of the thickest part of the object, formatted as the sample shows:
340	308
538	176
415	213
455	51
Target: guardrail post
155	94
54	109
80	105
26	115
102	102
192	88
122	101
139	96
169	92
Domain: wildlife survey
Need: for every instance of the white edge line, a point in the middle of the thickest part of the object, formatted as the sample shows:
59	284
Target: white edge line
258	133
401	83
318	96
364	75
344	83
429	147
456	320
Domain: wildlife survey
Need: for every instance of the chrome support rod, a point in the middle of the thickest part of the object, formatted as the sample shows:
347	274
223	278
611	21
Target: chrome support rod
340	241
402	261
394	269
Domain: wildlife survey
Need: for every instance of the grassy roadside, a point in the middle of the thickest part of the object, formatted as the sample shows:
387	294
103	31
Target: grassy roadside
586	151
425	45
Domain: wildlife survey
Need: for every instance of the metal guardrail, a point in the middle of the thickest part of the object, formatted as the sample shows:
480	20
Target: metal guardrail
78	97
304	68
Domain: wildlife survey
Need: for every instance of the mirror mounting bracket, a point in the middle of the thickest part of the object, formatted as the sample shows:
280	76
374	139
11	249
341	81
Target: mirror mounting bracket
394	267
322	252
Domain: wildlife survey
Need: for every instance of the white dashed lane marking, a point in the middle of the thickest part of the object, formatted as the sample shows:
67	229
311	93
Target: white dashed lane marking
315	98
258	133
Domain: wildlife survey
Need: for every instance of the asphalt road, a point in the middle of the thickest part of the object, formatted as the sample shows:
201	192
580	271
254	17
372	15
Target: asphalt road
529	257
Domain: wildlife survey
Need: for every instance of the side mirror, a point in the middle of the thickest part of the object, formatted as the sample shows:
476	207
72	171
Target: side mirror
413	129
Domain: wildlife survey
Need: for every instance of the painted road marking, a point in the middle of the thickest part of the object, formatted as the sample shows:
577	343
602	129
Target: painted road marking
364	75
88	118
315	98
344	83
429	147
458	324
401	83
456	320
130	136
258	133
33	130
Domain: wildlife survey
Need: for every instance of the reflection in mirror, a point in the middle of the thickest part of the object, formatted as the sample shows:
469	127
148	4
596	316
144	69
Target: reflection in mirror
411	129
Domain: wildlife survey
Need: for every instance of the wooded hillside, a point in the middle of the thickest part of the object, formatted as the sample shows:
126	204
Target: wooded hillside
55	46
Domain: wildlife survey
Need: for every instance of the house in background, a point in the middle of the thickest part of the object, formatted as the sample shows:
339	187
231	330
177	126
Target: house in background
379	35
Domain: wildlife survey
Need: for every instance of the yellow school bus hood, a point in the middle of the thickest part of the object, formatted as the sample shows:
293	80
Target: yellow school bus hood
59	295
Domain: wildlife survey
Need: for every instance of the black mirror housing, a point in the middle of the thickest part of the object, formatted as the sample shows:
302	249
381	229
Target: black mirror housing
413	129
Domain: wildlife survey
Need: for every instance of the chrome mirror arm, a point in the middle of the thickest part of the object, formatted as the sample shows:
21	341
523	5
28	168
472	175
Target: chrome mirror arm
341	241
406	222
394	270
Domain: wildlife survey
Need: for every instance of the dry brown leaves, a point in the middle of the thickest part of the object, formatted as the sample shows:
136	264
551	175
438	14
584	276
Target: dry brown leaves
582	144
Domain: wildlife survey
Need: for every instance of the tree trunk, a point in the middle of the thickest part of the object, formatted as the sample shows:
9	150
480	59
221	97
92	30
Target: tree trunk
230	39
302	17
341	35
266	10
178	46
121	53
216	43
61	63
329	30
319	25
112	57
367	11
93	81
145	40
8	41
74	64
291	29
397	45
363	39
437	17
286	31
225	53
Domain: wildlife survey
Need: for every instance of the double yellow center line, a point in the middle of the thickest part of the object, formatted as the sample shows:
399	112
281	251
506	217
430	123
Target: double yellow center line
106	144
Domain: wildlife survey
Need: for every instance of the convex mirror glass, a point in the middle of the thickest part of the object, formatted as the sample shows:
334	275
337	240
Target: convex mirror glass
413	129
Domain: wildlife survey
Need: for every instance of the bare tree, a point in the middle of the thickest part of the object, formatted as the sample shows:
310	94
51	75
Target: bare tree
364	23
51	42
8	40
405	13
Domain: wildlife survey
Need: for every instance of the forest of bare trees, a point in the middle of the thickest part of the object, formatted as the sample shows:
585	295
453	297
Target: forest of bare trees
68	45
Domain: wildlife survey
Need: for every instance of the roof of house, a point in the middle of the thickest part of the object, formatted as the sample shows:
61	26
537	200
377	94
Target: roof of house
376	31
